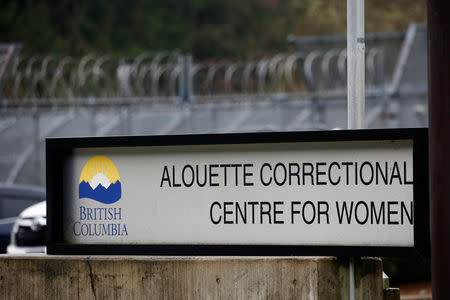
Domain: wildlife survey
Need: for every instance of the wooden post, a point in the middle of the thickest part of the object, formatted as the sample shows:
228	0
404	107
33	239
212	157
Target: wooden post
439	135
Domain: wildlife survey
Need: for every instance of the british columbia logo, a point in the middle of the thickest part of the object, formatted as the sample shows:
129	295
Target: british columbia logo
100	181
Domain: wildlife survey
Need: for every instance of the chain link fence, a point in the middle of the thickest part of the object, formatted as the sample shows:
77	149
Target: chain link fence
172	93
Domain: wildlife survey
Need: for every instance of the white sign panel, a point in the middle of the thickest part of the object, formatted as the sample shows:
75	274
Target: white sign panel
332	193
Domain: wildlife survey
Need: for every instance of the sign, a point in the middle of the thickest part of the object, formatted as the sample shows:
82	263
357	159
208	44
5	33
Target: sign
361	192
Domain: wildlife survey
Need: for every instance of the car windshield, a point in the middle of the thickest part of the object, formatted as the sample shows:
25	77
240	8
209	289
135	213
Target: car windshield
12	207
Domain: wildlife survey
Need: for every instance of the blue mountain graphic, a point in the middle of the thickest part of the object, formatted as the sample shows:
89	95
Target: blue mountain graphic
101	194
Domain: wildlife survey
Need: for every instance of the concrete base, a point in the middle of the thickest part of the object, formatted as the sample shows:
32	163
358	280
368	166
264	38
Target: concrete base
126	277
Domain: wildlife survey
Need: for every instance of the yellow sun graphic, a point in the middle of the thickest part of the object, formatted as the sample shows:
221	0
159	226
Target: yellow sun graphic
99	170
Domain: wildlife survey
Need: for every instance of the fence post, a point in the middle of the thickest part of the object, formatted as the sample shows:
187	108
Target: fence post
185	85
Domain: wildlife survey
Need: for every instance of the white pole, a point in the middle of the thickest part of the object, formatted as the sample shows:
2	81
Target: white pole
355	86
351	275
355	64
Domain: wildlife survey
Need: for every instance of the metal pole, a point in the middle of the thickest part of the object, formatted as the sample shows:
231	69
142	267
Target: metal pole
355	85
185	79
188	79
439	143
351	274
355	64
37	156
181	81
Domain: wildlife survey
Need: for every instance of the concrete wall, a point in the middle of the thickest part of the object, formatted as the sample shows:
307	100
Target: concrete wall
125	277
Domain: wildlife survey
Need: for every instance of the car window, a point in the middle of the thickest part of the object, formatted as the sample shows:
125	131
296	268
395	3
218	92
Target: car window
12	207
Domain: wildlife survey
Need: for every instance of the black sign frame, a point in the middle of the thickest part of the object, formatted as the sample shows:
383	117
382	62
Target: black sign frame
59	149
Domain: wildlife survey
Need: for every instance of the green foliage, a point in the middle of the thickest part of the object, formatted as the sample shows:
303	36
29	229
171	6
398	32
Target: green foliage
207	28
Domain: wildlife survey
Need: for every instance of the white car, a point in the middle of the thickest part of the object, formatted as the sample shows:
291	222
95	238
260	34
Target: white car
29	234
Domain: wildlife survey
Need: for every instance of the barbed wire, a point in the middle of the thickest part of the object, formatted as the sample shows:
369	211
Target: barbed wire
151	74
